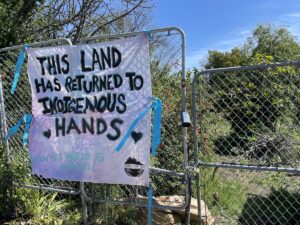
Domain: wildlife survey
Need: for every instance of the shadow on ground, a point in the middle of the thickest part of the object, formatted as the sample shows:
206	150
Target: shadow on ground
278	208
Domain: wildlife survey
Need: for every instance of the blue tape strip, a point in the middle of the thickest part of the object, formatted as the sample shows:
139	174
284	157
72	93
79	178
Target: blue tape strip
27	119
157	107
149	205
13	130
156	129
130	129
18	68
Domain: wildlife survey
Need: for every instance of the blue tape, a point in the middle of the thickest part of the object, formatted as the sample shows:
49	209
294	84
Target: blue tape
149	205
27	119
157	107
130	129
156	129
18	68
14	129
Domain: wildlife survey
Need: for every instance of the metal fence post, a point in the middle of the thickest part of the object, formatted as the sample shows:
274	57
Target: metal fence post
83	203
188	207
184	129
3	123
196	151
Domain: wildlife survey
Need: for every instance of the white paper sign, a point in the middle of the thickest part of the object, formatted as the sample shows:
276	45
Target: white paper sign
84	99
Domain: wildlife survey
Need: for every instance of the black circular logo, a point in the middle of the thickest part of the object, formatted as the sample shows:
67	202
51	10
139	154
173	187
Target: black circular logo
133	167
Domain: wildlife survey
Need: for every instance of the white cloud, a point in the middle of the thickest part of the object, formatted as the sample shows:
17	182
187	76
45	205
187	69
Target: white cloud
245	32
237	37
195	59
291	21
234	39
294	15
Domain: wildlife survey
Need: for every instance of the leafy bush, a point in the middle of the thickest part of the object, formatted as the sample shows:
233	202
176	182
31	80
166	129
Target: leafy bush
6	190
45	208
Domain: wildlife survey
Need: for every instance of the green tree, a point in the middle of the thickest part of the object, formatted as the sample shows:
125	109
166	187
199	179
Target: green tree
33	20
273	41
218	59
252	101
13	14
276	44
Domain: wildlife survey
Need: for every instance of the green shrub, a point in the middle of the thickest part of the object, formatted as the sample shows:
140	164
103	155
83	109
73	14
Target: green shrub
46	208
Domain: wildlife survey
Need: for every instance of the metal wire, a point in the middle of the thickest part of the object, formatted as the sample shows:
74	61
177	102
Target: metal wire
246	138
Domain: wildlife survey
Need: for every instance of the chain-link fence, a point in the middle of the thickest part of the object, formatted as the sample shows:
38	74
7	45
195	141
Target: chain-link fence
246	137
168	169
13	108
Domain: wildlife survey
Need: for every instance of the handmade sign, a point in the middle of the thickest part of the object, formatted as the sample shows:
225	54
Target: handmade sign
84	100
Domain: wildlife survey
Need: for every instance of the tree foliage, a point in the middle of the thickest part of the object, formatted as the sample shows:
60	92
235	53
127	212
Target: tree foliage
13	15
276	42
33	20
269	43
218	59
252	101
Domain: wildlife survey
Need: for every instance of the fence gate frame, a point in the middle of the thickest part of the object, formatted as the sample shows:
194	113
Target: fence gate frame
197	122
81	189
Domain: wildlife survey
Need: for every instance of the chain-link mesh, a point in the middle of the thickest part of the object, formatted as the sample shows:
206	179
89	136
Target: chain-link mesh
245	197
167	173
13	108
248	118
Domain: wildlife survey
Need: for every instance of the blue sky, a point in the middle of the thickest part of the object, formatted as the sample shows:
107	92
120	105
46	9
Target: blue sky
222	24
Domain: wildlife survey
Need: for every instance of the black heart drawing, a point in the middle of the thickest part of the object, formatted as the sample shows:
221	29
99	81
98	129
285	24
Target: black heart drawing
136	136
47	133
